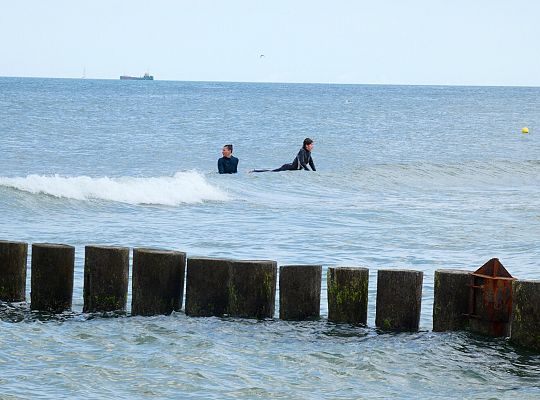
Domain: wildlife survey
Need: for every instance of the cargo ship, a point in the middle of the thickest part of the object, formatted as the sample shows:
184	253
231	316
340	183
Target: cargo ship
145	77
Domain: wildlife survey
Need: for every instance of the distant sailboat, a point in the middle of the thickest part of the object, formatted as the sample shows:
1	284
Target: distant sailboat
84	73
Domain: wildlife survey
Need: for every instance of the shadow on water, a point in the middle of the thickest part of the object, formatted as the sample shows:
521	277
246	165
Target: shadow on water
21	312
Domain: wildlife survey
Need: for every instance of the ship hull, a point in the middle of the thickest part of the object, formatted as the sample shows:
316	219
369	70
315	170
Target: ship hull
137	78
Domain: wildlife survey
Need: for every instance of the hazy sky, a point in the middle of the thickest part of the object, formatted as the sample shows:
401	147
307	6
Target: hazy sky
465	42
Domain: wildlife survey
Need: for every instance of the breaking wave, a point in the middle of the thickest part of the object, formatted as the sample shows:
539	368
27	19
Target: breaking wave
182	188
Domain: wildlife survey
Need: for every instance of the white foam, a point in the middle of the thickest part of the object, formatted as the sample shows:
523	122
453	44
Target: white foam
182	188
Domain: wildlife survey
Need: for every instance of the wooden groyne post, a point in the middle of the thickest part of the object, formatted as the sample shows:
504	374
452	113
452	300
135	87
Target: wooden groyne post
451	302
252	289
348	295
106	273
217	287
399	299
158	281
207	286
300	292
51	280
525	328
13	258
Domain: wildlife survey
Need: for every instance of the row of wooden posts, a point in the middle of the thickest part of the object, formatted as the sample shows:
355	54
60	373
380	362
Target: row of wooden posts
247	289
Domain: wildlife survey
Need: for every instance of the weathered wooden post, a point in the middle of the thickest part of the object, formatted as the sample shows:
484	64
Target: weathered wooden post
207	286
217	287
300	292
51	280
158	281
13	256
106	272
348	295
525	329
451	303
399	298
252	289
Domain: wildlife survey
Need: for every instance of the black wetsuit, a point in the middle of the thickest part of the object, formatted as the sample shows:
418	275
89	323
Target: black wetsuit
300	162
228	165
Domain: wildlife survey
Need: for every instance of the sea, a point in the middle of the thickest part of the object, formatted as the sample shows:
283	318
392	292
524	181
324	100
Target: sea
408	177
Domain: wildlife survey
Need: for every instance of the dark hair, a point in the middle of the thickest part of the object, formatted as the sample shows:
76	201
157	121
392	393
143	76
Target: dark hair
306	142
229	147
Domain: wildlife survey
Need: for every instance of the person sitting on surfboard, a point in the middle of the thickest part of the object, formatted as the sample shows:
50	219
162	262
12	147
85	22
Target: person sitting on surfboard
228	164
302	160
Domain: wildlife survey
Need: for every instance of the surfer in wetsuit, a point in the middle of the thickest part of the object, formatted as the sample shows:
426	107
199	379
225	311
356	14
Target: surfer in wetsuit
228	164
302	160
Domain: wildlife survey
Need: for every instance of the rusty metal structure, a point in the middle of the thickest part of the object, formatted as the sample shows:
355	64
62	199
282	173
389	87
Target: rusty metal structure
490	299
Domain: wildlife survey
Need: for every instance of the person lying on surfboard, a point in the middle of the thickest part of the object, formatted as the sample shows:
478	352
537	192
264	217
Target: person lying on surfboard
302	160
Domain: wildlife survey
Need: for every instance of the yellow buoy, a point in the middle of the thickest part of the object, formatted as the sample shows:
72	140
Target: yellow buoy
525	130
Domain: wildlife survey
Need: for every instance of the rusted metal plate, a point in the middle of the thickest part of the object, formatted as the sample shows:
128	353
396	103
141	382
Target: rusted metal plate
490	300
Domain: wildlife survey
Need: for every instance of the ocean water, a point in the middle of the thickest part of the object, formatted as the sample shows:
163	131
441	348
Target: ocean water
416	177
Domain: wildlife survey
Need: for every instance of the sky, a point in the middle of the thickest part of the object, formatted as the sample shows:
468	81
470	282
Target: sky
425	42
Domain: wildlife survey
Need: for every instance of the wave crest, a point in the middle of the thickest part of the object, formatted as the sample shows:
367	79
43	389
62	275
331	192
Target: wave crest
182	188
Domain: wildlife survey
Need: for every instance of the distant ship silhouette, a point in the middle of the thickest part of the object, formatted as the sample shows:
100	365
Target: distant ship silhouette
145	77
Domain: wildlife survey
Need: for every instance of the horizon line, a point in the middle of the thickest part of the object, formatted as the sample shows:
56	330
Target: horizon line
283	82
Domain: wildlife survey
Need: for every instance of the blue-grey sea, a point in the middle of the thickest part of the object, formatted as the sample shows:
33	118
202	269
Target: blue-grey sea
414	177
